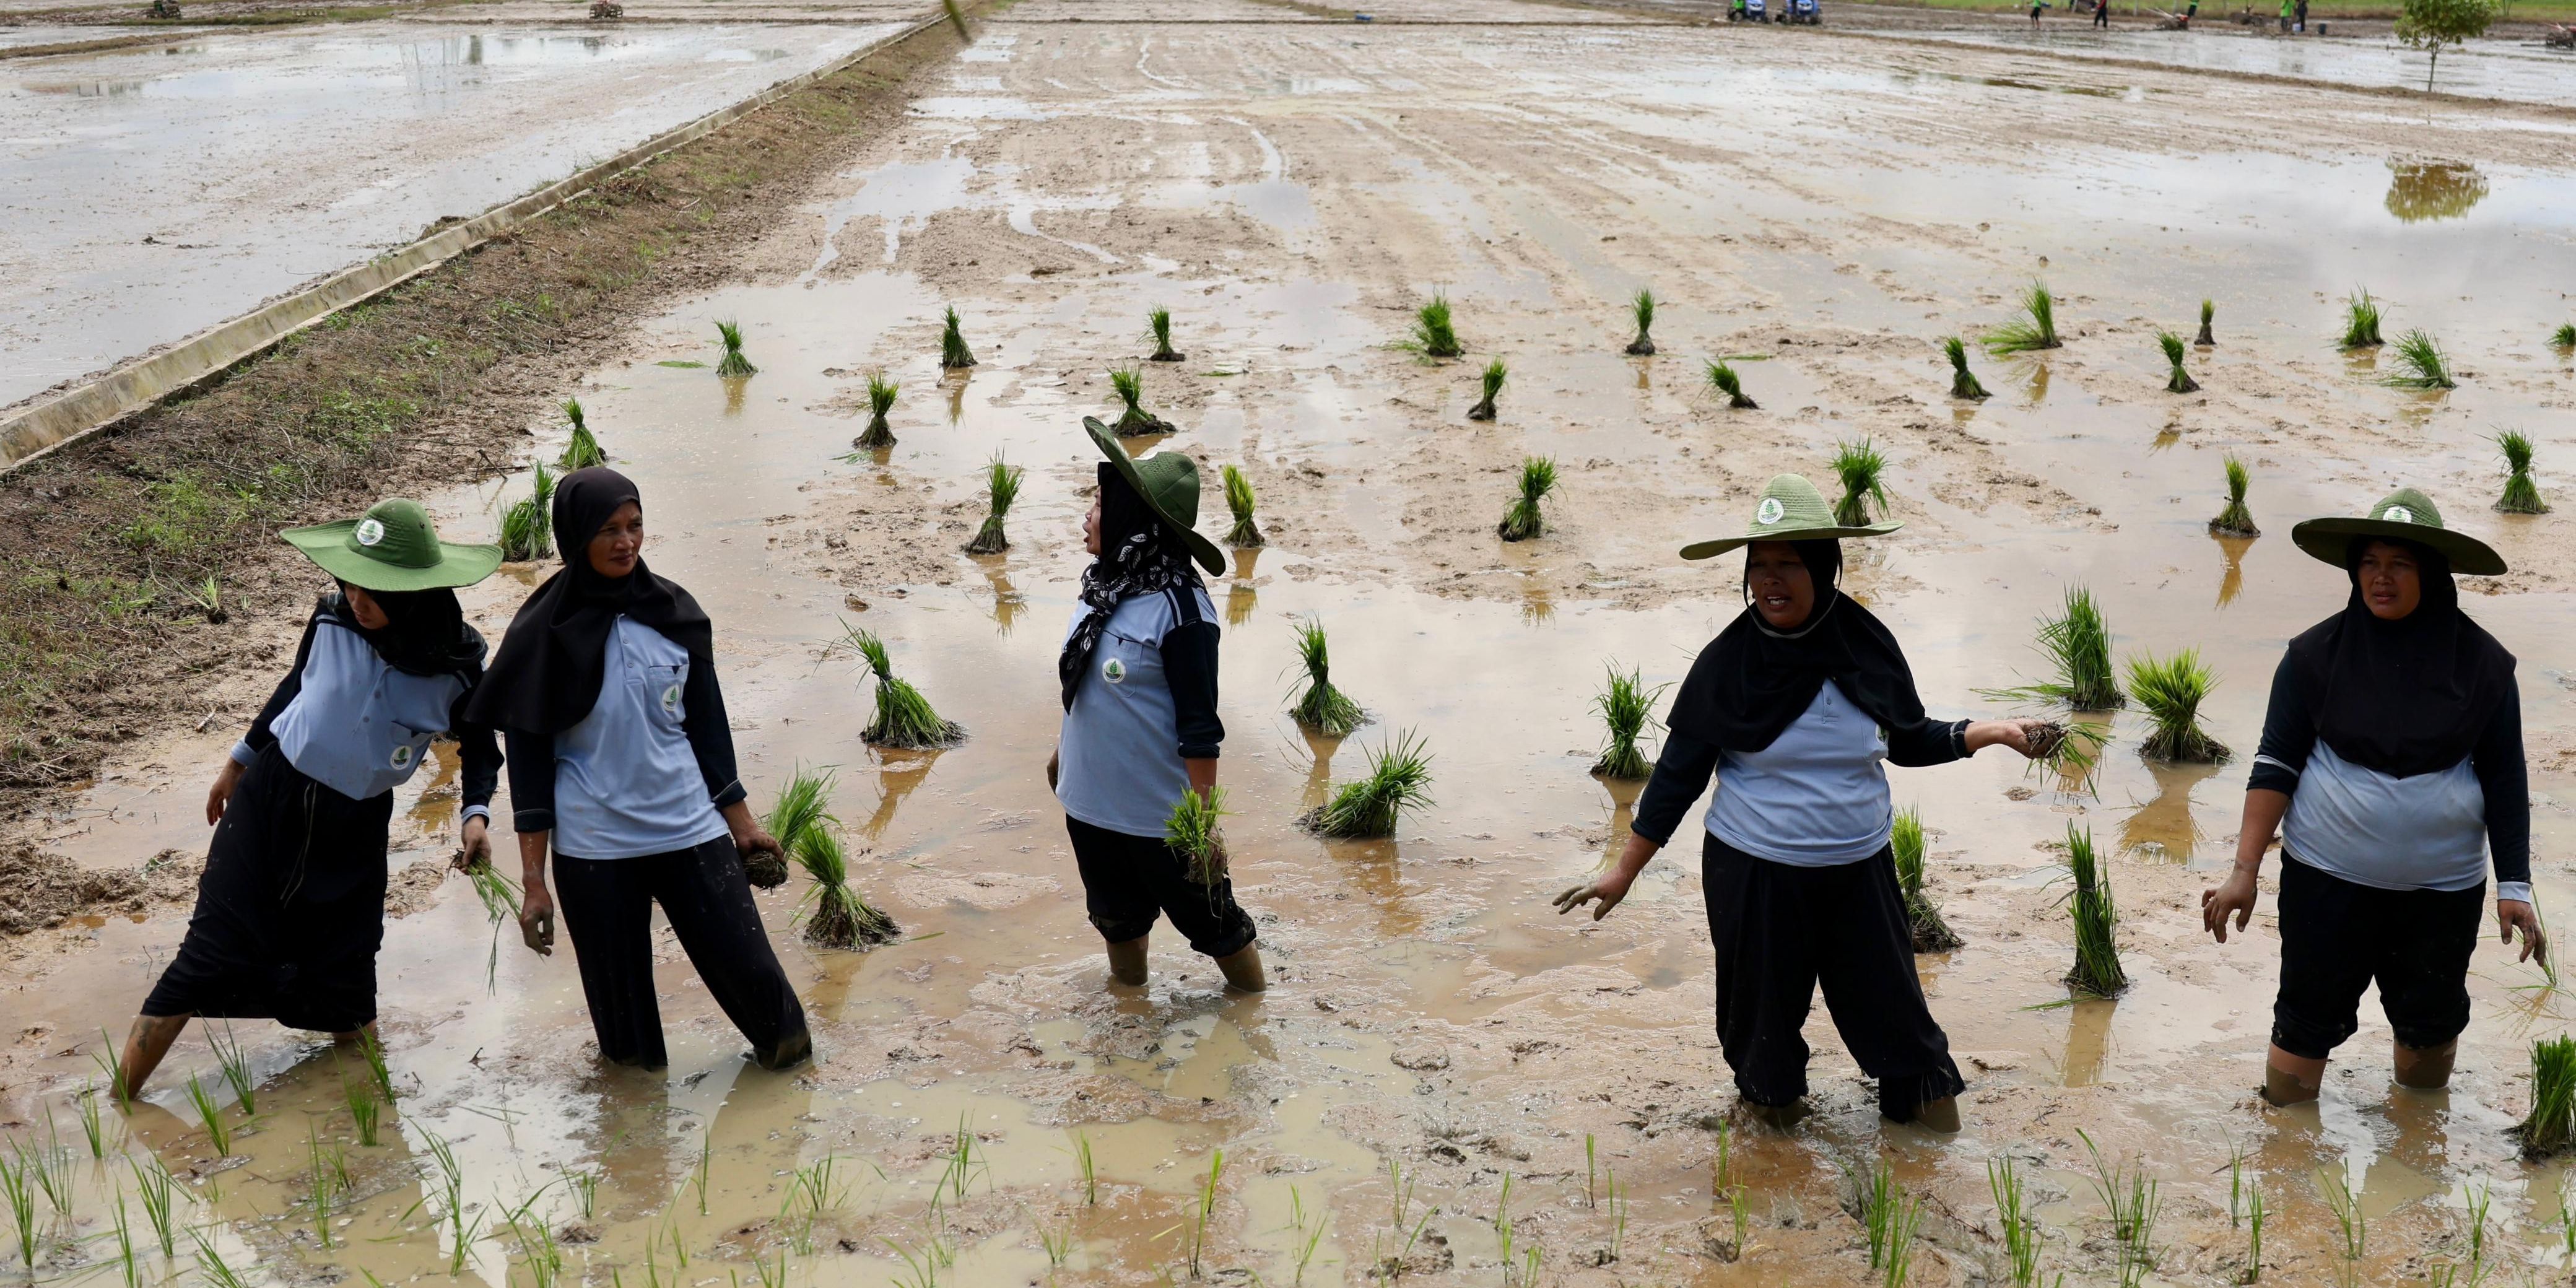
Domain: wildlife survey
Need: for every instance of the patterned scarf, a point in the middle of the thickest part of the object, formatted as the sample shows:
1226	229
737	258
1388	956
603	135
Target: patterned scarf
1138	556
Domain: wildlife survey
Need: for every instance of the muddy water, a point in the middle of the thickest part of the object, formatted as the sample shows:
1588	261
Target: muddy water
1434	1030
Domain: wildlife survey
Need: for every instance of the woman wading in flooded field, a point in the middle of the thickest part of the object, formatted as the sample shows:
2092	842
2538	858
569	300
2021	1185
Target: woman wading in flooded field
1794	706
291	909
1138	672
621	760
2392	765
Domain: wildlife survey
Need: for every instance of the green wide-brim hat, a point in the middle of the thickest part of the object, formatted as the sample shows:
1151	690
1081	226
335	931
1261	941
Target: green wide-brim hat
1169	482
1791	509
394	548
2402	515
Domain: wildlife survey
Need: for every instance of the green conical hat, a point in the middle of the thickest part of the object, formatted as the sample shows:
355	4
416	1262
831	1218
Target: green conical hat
1169	482
393	547
2402	515
1791	509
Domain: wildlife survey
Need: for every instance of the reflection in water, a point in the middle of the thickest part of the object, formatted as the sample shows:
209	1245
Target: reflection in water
1240	597
2163	827
2088	1041
1008	602
955	383
2166	437
2073	777
1538	607
2035	391
1377	871
1319	769
1623	812
733	387
1645	368
2232	582
2422	190
903	772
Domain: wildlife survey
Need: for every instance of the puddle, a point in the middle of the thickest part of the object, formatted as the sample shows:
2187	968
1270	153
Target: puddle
2517	71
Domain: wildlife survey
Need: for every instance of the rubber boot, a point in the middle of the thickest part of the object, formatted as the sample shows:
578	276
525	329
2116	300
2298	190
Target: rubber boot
1939	1115
1127	962
1242	970
2290	1079
2424	1069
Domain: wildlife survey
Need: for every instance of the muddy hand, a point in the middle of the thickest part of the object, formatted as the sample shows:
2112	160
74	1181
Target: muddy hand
2234	897
475	849
1608	890
537	920
2513	915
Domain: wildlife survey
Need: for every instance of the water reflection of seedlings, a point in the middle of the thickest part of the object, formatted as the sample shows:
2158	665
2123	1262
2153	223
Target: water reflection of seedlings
1728	385
900	777
2031	330
2425	190
2235	520
2521	495
1007	599
956	387
1963	382
2419	364
1241	596
1492	381
2164	824
1623	816
1522	519
1642	307
2360	321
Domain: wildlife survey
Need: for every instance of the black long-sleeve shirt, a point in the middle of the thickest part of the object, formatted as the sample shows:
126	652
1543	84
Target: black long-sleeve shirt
1189	670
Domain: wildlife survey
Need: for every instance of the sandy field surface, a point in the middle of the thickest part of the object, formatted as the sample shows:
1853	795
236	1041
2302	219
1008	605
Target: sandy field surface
1448	1084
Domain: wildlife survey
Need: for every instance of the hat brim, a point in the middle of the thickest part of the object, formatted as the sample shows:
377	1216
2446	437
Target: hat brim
1712	549
2331	541
327	544
1201	548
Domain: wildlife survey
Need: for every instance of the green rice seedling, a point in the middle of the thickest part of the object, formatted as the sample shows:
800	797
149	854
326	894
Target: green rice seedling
2521	495
1057	1241
2033	330
2235	520
1725	1143
1001	488
110	1059
93	1128
1310	1231
322	1185
1931	933
1434	335
2419	364
733	363
1963	382
527	529
2077	643
1618	1201
152	1183
235	1066
2236	1186
2254	1214
814	1182
2180	381
2134	1200
2475	1202
2172	689
217	1133
1192	831
1398	779
1893	1218
583	450
51	1166
1207	1208
1158	322
1523	520
133	1273
1642	307
2360	321
1859	466
2020	1228
500	896
699	1171
208	596
366	1113
1728	385
953	353
2564	337
210	1263
1493	383
881	393
372	1050
2352	1225
1239	500
772	1273
1626	706
840	919
17	1187
1502	1224
2097	970
2208	312
904	718
1090	1168
2550	1128
802	806
1129	384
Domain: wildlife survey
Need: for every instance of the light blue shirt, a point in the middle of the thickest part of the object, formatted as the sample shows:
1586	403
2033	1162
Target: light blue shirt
626	783
2427	832
356	725
1118	759
1816	797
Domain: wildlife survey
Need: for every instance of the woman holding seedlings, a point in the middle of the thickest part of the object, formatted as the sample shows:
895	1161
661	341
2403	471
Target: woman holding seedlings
291	909
1794	706
621	762
1138	673
2392	765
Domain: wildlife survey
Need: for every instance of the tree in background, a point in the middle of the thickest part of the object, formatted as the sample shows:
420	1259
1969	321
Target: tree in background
2430	24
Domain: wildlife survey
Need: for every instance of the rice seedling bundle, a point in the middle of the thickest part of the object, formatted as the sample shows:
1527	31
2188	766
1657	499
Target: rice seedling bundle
2564	337
2077	643
1398	779
2235	520
2551	1126
1238	499
2208	311
2419	364
840	918
1434	336
1905	840
2033	330
1158	320
2097	970
1522	520
1130	384
500	896
1192	832
527	529
803	805
1859	466
953	353
2179	381
1626	706
2172	689
2521	495
582	451
904	718
1484	408
2360	321
1001	488
1963	382
733	364
1323	708
1728	385
881	392
1643	307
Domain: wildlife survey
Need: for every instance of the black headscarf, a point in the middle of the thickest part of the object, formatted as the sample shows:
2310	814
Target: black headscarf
2405	697
1752	682
1139	555
546	678
424	634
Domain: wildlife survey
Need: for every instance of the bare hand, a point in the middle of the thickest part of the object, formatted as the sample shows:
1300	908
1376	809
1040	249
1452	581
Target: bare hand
2513	915
221	794
1053	759
474	848
756	840
2024	736
537	919
2234	896
1609	889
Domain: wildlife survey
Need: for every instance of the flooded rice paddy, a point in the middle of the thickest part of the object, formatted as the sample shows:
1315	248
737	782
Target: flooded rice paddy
1446	1076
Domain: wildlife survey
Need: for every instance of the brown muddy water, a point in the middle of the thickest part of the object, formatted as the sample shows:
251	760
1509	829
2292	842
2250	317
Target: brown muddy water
1440	1051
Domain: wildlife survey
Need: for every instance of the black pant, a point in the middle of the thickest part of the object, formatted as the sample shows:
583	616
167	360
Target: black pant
608	911
1128	880
2101	16
1781	930
291	908
2338	936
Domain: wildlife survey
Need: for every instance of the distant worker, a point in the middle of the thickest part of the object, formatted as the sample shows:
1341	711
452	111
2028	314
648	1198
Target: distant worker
2035	7
2102	14
2285	17
2302	14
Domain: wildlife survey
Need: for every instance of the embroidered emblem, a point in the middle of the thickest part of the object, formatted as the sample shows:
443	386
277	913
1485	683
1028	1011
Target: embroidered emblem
2398	514
1770	511
1114	671
402	756
370	531
671	700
